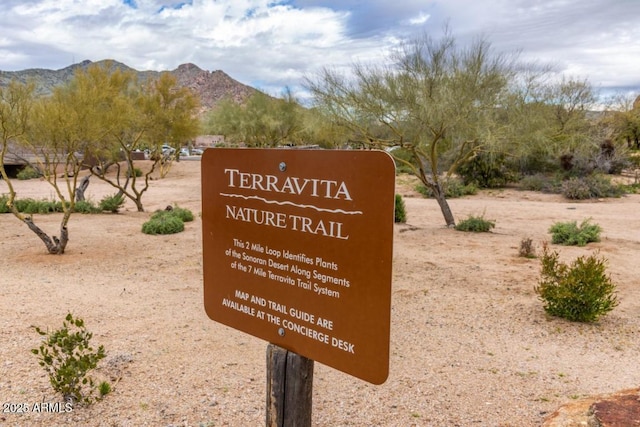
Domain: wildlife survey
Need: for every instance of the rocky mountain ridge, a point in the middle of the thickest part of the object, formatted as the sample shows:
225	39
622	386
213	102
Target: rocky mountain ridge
210	86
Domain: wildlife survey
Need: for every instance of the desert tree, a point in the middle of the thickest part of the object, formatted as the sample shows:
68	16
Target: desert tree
262	121
623	119
53	131
16	102
434	99
135	117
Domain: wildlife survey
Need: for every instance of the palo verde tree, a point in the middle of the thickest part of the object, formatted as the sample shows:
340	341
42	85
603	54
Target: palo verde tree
436	100
54	131
262	121
623	119
544	117
135	117
16	103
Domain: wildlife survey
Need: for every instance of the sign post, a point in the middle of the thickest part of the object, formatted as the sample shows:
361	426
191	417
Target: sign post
297	248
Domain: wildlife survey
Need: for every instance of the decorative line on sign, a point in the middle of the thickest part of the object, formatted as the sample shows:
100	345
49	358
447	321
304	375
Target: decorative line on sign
272	202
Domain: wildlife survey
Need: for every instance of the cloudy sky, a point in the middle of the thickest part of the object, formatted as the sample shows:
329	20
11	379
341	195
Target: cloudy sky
271	44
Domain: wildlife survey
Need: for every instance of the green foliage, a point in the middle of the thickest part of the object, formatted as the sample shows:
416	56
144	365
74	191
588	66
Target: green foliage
28	173
476	224
169	221
137	172
400	211
104	388
184	214
165	224
67	357
29	206
579	292
86	207
32	206
486	170
111	203
570	234
261	121
401	157
452	187
4	207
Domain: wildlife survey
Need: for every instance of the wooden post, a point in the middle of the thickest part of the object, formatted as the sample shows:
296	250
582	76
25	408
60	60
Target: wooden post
289	388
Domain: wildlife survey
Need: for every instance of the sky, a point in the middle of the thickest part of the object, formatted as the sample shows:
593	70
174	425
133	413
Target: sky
274	44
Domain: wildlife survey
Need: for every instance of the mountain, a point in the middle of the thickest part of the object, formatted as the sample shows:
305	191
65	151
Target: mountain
210	86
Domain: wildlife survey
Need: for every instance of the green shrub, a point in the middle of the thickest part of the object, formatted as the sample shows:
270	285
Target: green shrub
570	234
111	203
137	172
32	206
104	388
452	187
4	207
476	224
163	224
28	172
85	207
486	170
400	211
67	356
579	292
183	213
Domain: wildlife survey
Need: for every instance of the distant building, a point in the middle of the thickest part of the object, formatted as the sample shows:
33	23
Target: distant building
208	141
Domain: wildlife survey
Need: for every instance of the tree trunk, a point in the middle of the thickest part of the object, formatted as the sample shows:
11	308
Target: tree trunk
54	245
82	188
438	193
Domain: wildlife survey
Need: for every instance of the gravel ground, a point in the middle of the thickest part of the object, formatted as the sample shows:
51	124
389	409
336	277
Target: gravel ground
470	342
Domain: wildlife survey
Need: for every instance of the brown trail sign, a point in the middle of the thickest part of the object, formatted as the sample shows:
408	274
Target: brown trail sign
297	248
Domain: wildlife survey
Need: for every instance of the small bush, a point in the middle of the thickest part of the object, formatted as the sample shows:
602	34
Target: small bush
486	170
400	212
104	388
4	207
576	189
590	187
111	203
68	357
85	207
183	213
163	224
570	234
580	292
476	224
27	172
32	206
542	182
527	249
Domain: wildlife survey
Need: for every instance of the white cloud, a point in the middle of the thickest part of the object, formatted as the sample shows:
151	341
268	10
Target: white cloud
420	19
273	43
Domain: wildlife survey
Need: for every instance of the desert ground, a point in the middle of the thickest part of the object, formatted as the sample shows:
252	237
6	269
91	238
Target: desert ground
470	342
